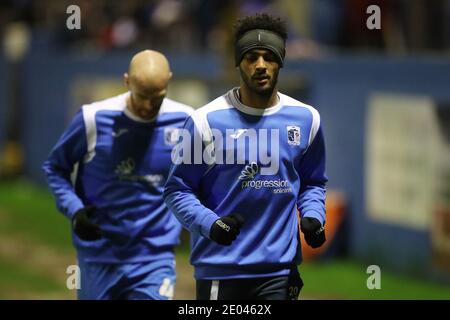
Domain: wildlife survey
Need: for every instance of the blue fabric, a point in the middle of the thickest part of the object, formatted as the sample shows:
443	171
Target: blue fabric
200	193
122	167
134	281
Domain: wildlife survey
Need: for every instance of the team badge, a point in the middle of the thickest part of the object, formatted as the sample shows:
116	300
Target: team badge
293	135
171	136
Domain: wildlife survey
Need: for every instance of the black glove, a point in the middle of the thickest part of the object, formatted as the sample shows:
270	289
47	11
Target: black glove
225	230
83	227
313	231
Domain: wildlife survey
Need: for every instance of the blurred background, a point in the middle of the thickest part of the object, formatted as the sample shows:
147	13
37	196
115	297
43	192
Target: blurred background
383	94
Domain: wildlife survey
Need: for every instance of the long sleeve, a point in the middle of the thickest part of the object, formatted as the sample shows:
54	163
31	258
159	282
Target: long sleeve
181	189
69	150
311	200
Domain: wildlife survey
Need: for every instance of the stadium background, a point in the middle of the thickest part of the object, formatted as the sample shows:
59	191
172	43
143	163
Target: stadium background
384	97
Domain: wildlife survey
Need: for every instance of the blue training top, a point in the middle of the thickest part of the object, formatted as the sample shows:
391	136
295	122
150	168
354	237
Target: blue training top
122	163
261	163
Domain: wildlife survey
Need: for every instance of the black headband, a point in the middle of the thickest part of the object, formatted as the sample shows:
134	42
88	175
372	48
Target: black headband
260	39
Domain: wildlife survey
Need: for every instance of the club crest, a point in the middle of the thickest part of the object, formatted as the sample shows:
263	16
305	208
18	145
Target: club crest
293	135
171	136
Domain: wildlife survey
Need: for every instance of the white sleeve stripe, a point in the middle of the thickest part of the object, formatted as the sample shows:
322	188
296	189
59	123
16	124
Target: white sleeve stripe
314	126
169	106
89	112
202	126
91	132
315	123
200	117
74	174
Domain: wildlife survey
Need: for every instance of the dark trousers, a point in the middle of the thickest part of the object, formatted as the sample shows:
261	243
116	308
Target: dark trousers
268	288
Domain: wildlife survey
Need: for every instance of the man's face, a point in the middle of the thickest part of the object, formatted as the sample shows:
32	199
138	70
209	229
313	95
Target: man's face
259	70
146	101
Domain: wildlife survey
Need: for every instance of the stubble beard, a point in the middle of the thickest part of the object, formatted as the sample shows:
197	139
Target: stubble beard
265	92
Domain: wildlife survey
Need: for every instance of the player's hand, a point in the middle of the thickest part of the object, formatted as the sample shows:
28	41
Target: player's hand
225	230
313	231
83	226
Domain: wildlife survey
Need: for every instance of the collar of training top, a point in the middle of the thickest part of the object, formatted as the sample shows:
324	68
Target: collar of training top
260	39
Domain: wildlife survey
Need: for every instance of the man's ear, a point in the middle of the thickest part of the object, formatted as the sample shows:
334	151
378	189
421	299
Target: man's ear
126	80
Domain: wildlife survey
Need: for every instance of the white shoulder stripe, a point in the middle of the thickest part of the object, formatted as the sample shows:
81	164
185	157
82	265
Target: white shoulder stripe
314	126
315	115
170	105
89	111
200	116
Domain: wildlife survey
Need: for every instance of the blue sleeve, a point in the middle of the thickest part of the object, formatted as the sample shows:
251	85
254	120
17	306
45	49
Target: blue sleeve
182	186
69	150
311	200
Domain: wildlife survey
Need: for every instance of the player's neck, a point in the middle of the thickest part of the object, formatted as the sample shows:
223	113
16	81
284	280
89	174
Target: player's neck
130	106
256	100
135	115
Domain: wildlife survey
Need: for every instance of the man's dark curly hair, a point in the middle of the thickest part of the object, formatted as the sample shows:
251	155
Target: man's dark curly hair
260	21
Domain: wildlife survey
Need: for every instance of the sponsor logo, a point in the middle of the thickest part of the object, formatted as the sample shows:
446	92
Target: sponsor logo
247	180
238	133
119	132
223	225
249	171
125	169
